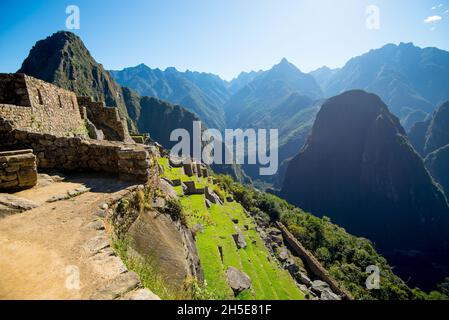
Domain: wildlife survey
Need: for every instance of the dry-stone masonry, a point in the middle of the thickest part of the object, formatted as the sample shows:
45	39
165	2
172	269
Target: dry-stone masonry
36	106
129	161
17	169
106	119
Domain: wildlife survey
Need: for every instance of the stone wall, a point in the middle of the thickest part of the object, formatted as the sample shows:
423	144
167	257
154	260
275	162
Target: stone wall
36	106
106	119
17	170
128	161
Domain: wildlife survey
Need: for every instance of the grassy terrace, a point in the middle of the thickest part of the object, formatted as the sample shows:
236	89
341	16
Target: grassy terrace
269	280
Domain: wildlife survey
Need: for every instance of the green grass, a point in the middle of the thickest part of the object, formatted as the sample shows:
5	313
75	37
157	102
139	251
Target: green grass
269	280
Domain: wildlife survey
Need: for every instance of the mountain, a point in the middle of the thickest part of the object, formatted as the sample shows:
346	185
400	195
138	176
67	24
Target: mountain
281	98
406	77
359	169
250	106
242	80
323	75
201	93
62	59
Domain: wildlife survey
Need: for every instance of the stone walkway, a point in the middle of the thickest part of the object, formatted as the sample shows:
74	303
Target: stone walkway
60	249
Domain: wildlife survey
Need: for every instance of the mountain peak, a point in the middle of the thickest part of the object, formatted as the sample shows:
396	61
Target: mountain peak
285	66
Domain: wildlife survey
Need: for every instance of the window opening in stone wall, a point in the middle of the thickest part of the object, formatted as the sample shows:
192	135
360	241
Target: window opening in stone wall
39	95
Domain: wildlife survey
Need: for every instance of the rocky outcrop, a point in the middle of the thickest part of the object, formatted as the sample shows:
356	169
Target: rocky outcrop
10	204
238	280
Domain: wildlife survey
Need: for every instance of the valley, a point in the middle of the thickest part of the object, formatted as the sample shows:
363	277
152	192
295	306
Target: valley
363	158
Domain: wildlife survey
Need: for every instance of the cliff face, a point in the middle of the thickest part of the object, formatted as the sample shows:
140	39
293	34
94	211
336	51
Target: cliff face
359	169
438	132
437	163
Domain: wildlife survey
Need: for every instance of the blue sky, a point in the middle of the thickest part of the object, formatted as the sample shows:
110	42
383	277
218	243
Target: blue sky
223	36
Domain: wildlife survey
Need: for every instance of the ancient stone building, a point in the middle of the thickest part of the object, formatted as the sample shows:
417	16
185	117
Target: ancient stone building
55	125
36	106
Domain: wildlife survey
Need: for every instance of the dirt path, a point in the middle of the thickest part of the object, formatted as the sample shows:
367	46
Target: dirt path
42	250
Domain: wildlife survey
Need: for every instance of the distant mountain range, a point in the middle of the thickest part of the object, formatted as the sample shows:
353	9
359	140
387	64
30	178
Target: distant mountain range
406	77
281	98
201	93
359	169
412	81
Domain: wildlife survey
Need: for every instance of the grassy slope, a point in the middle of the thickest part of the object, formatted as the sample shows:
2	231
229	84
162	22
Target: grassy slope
269	280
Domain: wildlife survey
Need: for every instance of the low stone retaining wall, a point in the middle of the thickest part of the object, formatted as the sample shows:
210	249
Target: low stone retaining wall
17	169
128	161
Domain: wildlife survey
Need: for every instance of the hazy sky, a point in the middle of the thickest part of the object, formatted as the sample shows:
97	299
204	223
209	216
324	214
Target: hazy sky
223	36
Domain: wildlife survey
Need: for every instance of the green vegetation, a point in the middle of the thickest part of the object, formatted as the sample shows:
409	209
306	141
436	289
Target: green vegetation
148	271
218	251
343	255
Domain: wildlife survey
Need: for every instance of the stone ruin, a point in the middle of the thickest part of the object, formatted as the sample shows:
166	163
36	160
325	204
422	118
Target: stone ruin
36	106
57	126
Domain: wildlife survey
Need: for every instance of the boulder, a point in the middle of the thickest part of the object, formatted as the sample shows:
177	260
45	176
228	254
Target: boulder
120	285
329	295
283	254
304	279
141	294
276	239
319	286
167	189
239	239
238	280
158	203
